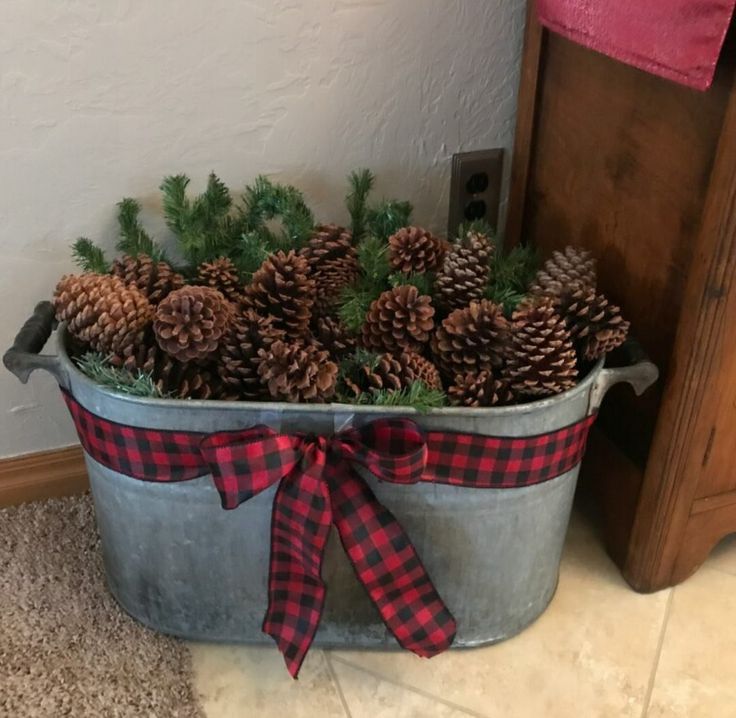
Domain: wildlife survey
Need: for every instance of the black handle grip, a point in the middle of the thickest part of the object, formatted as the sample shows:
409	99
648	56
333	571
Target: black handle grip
37	330
23	357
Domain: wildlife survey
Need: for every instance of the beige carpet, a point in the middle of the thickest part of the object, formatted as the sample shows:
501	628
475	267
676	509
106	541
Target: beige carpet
66	649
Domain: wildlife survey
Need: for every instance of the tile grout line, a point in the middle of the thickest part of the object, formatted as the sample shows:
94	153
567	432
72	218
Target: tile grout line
336	681
413	689
658	655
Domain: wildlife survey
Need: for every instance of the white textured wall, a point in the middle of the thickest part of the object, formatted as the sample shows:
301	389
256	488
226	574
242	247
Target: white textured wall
99	100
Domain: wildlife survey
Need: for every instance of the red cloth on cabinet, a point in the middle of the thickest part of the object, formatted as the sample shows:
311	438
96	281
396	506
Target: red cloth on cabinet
676	39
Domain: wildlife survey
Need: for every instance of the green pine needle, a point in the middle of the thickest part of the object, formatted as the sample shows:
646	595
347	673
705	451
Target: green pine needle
354	305
89	256
98	368
373	259
175	203
251	252
361	183
353	363
216	200
388	218
134	240
203	226
265	201
417	396
508	297
511	276
356	300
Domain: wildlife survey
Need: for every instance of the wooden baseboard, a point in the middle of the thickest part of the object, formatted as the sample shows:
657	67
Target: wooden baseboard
43	475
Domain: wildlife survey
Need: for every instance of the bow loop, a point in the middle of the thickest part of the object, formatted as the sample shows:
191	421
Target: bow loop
244	463
392	450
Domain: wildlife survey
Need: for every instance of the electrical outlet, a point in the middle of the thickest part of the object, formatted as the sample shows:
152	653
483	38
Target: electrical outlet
475	191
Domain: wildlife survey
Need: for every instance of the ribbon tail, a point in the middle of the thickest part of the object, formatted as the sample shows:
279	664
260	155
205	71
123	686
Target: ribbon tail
388	566
300	526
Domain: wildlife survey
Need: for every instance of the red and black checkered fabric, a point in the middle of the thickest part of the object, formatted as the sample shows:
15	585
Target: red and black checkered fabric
320	487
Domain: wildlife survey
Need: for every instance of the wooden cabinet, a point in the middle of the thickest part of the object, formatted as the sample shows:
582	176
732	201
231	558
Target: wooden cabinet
643	172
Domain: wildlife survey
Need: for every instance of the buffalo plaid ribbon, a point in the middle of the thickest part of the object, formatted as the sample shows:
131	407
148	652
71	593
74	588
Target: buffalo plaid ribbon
319	486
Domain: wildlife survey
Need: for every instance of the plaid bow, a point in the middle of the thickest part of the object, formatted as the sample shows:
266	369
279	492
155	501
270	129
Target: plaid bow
319	486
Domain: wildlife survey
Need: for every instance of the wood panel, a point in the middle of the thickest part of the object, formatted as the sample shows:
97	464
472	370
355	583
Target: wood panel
531	71
663	546
621	162
43	475
718	472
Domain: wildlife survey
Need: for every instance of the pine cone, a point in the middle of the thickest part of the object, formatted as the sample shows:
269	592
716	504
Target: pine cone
333	264
190	322
542	359
482	389
155	280
413	249
332	334
183	380
295	372
101	311
189	380
596	326
385	372
222	275
421	369
471	340
180	380
239	359
565	272
283	288
399	320
465	271
134	354
393	372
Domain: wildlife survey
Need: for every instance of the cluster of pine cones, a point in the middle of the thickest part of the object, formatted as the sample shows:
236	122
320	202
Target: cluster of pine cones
279	336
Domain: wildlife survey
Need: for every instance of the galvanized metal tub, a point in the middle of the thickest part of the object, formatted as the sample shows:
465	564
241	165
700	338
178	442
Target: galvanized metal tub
178	563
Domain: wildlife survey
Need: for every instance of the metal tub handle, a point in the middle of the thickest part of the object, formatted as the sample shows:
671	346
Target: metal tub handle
640	372
23	357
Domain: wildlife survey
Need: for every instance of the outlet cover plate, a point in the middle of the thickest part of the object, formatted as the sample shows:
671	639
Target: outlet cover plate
465	165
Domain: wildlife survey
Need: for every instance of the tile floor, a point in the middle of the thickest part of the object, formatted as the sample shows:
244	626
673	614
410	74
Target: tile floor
599	650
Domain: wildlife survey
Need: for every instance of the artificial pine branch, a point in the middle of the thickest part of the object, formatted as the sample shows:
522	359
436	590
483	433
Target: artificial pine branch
356	299
264	201
354	304
511	275
213	205
416	396
250	252
89	256
203	226
97	367
361	183
298	221
374	261
134	240
259	203
354	362
351	367
175	203
388	218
